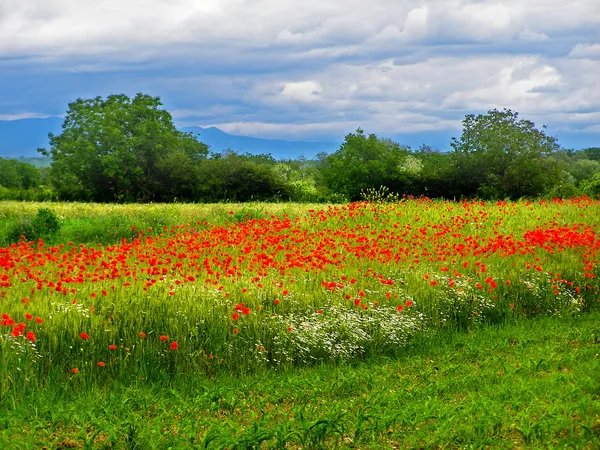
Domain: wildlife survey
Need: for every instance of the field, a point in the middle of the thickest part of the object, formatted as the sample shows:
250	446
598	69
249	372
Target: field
363	326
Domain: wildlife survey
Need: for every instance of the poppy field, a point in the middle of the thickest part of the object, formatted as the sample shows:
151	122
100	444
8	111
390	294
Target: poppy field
274	291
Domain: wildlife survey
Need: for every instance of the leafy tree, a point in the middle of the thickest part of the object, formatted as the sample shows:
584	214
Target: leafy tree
584	169
120	149
18	174
499	155
231	176
593	153
364	162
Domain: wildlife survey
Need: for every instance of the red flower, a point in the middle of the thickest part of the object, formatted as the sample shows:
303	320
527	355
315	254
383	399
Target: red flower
409	303
246	311
173	345
101	364
235	316
75	370
236	331
38	320
112	347
142	335
164	338
84	335
30	336
319	311
276	301
28	316
400	308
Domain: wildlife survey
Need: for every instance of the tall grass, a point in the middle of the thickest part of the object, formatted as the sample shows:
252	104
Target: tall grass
170	291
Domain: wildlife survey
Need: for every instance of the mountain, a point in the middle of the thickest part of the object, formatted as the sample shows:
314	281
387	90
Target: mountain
219	140
22	138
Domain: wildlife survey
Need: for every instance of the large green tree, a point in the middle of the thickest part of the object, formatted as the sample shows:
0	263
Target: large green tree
122	149
499	155
364	162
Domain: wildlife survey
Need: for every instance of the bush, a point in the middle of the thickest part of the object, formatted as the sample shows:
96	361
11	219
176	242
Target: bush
44	225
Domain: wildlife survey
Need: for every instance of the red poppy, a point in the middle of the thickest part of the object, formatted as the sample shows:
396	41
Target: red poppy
28	316
30	336
75	370
84	336
101	364
164	338
142	335
173	345
235	316
112	347
246	311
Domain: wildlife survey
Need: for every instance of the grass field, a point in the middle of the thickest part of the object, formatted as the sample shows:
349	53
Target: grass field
413	324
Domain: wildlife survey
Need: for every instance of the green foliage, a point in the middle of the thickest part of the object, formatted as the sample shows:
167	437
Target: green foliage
591	187
364	162
239	178
44	225
122	149
584	169
18	174
501	156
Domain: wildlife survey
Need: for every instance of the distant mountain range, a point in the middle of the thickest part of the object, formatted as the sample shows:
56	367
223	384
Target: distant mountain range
22	138
218	140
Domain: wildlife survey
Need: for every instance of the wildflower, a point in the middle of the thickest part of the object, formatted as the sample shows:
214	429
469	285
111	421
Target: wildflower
173	345
84	336
30	336
236	331
112	347
75	370
101	364
235	316
28	316
276	301
409	303
246	311
164	338
142	335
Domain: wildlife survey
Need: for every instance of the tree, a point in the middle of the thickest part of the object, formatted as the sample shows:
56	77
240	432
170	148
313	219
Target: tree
120	149
499	155
364	162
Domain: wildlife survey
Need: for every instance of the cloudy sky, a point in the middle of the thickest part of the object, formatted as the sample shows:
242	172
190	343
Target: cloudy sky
311	69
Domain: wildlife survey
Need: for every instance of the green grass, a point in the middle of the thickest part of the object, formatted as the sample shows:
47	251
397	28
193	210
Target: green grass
421	324
530	384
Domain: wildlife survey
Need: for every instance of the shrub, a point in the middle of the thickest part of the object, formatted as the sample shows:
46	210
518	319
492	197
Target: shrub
44	225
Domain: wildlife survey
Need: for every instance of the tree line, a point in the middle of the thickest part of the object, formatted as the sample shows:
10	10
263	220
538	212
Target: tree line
122	149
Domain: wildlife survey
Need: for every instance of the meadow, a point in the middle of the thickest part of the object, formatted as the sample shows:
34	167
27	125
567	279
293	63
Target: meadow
365	325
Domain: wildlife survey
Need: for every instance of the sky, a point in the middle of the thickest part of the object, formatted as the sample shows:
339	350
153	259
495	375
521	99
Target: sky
311	69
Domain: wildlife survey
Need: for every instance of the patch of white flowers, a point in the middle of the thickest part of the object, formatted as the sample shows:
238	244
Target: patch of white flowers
341	334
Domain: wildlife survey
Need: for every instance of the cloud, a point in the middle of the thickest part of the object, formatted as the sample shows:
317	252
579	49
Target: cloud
294	68
586	50
25	115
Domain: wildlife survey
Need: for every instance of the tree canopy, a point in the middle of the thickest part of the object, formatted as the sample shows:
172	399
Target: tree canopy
122	149
500	155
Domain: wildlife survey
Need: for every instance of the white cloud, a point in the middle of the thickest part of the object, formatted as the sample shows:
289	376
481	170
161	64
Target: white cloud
586	50
301	91
317	66
25	115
